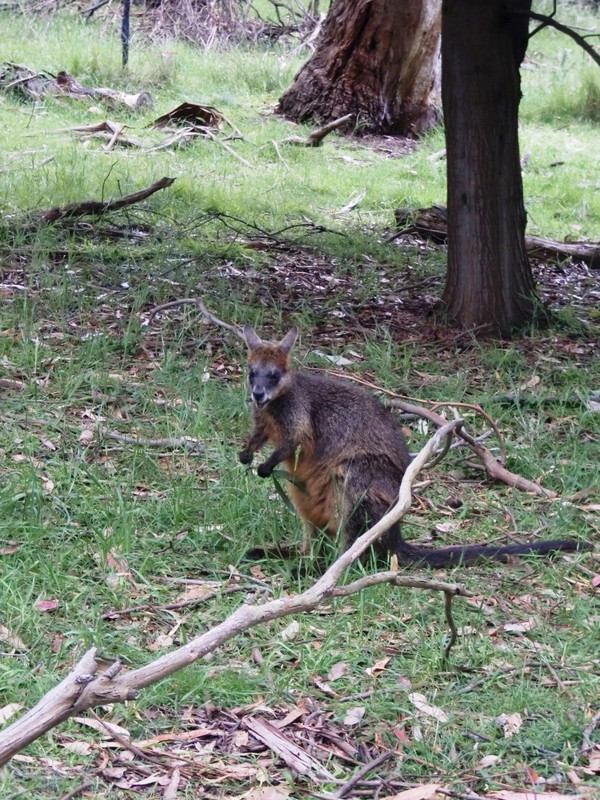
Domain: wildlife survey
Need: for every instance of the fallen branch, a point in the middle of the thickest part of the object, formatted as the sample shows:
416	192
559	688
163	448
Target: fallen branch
492	466
34	85
84	687
97	208
108	130
199	303
364	770
432	223
315	138
190	603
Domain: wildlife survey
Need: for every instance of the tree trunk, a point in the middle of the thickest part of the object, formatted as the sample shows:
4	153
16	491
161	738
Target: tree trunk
376	59
489	283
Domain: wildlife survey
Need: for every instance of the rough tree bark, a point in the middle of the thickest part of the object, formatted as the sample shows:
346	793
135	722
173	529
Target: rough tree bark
378	60
489	284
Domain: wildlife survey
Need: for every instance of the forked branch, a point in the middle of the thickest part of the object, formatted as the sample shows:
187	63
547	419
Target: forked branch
86	687
559	26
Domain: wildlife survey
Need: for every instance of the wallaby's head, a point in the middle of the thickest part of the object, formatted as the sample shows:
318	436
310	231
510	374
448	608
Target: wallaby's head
269	366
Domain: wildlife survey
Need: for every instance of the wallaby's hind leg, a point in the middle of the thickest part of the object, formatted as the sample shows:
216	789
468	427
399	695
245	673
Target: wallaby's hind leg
369	491
369	510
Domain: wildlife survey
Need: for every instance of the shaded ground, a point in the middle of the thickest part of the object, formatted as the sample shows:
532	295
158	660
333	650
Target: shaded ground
408	306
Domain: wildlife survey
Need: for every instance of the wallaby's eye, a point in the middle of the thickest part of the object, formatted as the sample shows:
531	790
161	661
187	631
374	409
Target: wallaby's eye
251	374
273	374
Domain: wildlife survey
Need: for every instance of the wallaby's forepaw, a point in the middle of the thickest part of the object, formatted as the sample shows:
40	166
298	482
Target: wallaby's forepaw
264	470
245	457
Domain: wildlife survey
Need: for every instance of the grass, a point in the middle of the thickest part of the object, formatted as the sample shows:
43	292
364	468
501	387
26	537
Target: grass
93	525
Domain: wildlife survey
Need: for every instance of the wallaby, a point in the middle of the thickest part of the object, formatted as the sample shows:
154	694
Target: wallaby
346	455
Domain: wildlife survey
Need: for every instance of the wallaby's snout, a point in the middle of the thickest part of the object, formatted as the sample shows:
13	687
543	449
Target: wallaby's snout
263	381
269	366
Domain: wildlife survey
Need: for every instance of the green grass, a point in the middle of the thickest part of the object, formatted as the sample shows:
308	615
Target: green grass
101	525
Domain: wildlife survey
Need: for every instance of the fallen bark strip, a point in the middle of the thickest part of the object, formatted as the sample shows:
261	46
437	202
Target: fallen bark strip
84	687
432	223
97	207
295	757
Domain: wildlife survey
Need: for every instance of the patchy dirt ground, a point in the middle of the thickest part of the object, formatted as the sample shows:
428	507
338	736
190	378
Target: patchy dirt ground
405	304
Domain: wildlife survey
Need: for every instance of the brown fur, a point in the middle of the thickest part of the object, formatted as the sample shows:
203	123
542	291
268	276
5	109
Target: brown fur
345	453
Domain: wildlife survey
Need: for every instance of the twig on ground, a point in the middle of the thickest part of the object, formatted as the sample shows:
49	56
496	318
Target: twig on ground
126	744
171	442
97	208
560	683
279	156
193	601
230	150
492	465
197	301
315	138
85	687
82	786
587	744
358	776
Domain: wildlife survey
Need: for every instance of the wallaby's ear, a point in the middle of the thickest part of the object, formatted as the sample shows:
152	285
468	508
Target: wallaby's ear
286	344
252	340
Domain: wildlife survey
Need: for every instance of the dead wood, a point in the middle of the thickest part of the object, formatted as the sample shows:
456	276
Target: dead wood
315	138
432	223
364	770
295	757
35	85
97	208
86	686
112	131
199	303
492	466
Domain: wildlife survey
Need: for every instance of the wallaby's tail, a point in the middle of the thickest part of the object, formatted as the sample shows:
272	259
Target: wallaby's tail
457	556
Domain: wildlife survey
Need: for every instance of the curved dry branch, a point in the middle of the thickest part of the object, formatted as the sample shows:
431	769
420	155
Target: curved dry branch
97	207
559	26
85	688
493	467
199	303
315	138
